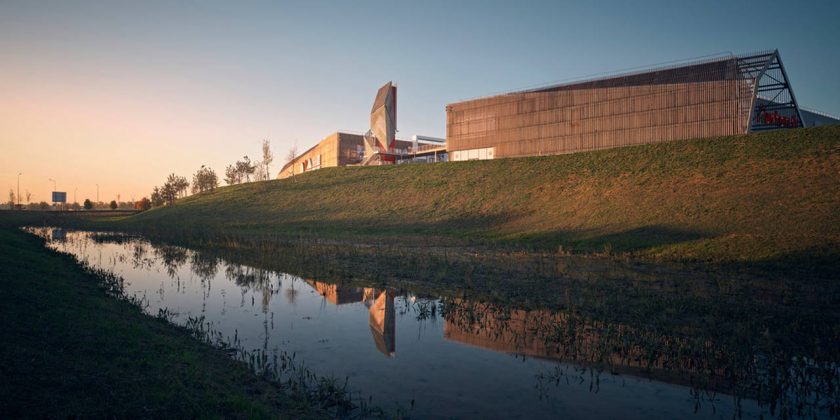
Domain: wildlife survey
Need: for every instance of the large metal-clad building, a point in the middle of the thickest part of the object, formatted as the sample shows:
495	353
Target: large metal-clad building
715	97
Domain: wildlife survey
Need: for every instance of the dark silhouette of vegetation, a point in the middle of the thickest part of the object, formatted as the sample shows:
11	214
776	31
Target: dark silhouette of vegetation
245	168
240	171
204	179
156	197
175	187
231	175
143	205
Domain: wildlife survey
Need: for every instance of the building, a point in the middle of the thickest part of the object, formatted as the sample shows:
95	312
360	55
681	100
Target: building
715	97
721	96
377	146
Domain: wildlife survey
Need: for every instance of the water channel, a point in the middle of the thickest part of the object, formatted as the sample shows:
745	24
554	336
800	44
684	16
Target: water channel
429	356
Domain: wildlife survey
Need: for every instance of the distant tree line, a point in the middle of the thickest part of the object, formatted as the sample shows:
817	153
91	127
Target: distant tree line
88	204
204	180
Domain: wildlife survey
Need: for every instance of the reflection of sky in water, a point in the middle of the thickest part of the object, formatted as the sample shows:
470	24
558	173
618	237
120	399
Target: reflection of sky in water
377	340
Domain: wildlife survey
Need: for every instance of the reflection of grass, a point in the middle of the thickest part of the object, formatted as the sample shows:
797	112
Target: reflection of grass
70	350
763	197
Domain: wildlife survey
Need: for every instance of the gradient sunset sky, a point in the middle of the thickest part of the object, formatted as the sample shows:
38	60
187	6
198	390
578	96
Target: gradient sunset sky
123	93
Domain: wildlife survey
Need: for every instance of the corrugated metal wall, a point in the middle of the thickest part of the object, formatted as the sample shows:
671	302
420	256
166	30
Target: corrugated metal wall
562	120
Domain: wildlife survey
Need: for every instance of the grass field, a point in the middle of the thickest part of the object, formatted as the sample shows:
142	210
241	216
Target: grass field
69	350
762	197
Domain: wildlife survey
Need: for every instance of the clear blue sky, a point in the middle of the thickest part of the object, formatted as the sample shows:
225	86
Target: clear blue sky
201	82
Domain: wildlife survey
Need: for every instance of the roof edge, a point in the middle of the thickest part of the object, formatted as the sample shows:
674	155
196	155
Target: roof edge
668	65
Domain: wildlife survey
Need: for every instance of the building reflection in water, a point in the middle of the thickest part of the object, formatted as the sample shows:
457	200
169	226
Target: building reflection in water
380	304
514	331
535	333
381	320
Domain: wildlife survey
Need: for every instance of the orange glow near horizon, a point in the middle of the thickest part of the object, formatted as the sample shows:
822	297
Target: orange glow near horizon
126	140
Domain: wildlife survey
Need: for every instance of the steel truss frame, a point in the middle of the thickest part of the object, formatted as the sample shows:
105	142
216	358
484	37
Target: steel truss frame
773	104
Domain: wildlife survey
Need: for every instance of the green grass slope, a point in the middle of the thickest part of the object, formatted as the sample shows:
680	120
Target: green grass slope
757	197
69	350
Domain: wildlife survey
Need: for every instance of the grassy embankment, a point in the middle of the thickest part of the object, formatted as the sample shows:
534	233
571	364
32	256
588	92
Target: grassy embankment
755	198
70	350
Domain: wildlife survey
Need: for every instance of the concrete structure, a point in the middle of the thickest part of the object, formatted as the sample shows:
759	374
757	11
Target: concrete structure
337	149
717	97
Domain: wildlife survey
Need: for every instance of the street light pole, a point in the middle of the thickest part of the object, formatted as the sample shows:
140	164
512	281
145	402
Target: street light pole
18	196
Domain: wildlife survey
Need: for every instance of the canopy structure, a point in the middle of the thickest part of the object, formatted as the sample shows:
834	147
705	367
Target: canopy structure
773	102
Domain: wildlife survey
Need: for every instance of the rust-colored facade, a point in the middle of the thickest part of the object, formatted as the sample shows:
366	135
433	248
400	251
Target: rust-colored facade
337	149
703	99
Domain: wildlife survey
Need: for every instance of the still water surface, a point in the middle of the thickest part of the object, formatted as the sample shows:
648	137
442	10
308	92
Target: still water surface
433	357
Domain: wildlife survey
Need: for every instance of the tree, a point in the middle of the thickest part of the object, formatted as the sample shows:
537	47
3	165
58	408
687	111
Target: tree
168	192
260	174
245	168
43	205
174	187
11	198
143	205
28	196
157	197
178	185
232	175
113	205
267	158
88	204
290	157
204	179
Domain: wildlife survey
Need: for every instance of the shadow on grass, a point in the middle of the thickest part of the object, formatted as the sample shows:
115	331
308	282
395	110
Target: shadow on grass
632	240
806	264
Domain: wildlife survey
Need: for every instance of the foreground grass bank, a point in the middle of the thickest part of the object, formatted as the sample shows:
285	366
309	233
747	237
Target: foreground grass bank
69	350
760	197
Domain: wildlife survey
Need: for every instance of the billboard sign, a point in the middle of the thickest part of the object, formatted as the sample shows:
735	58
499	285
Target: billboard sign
59	197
